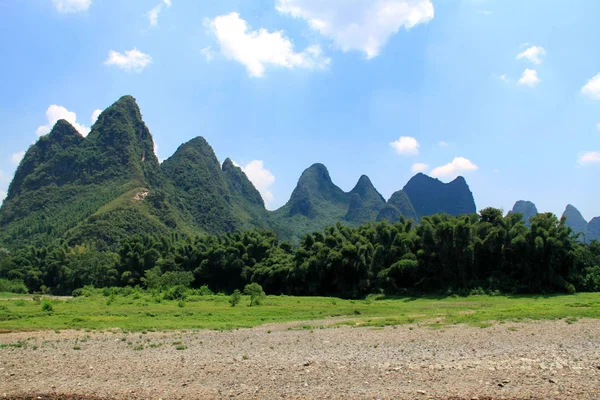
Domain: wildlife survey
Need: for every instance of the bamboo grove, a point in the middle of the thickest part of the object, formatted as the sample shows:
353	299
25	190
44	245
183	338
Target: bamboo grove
442	254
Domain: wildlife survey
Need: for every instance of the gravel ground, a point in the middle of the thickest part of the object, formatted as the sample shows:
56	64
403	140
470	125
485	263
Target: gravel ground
532	360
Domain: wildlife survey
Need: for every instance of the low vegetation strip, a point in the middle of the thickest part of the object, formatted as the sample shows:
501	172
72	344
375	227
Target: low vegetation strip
139	310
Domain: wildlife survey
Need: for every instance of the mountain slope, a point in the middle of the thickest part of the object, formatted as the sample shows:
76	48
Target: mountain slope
430	196
526	208
397	206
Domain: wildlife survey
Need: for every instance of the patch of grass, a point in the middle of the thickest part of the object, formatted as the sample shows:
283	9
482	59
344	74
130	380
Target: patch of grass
76	348
215	312
180	347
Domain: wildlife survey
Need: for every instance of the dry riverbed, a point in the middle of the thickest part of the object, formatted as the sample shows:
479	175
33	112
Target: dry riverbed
531	360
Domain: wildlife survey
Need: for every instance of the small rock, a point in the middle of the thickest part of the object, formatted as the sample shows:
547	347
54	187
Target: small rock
421	392
551	381
501	385
307	363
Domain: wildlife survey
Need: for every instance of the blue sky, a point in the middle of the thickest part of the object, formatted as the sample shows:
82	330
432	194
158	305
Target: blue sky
503	92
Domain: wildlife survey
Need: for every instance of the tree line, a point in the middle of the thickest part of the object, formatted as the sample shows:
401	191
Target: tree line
462	254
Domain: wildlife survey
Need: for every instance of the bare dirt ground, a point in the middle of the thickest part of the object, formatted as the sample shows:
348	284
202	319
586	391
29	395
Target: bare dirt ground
532	360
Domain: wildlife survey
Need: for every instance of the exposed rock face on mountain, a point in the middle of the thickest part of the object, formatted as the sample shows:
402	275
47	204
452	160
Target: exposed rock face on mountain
397	206
431	196
526	208
575	220
365	202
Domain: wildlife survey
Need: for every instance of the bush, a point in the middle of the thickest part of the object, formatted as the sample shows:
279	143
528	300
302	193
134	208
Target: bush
12	286
235	298
256	293
86	291
204	290
47	306
178	292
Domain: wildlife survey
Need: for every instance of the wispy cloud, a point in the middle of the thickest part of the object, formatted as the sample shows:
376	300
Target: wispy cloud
592	88
589	157
533	54
71	6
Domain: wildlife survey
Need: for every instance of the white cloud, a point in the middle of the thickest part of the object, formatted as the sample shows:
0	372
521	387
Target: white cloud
2	196
406	145
71	6
208	53
54	113
167	2
592	88
95	116
132	60
16	158
598	126
418	167
504	78
261	177
444	144
454	168
589	157
529	78
533	54
364	25
258	49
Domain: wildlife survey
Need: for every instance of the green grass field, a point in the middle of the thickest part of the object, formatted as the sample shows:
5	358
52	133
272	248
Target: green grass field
139	311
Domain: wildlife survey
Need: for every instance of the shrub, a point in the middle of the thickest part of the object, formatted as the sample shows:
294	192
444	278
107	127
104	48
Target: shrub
47	306
178	292
204	290
235	298
12	286
256	293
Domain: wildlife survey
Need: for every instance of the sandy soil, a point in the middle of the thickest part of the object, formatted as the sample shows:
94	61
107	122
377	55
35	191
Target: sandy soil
532	360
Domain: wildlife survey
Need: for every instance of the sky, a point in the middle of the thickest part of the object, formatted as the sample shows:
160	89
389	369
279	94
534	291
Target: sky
503	92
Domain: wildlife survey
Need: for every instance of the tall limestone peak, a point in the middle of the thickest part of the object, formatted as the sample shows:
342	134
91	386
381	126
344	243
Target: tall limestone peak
526	208
575	220
314	188
200	186
240	186
431	196
120	146
365	202
50	161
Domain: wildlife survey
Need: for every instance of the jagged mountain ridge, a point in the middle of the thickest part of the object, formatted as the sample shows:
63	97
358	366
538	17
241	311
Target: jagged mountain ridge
108	185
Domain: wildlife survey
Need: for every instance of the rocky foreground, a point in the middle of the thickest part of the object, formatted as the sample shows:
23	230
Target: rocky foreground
531	360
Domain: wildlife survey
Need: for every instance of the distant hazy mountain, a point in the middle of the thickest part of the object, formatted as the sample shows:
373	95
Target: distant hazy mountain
431	196
575	220
526	208
593	230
